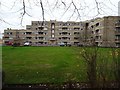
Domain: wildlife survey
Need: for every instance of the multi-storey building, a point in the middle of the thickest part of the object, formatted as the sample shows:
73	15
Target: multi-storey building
100	31
105	31
46	33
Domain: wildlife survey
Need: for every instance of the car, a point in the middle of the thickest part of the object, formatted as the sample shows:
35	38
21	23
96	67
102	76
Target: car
61	44
26	44
68	44
79	45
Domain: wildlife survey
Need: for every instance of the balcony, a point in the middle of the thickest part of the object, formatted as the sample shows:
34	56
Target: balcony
117	24
117	40
76	33
40	27
76	28
64	28
28	33
28	38
6	36
52	39
28	27
117	32
40	33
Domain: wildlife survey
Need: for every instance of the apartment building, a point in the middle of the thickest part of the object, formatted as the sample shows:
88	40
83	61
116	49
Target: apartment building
100	31
104	31
46	33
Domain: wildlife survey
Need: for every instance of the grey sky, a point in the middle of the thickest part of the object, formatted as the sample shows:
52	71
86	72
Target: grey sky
10	11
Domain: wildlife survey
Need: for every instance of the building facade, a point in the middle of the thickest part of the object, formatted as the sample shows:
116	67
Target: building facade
100	31
105	31
46	33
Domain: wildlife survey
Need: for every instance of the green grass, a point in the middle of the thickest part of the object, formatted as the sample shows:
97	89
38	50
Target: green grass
42	65
47	64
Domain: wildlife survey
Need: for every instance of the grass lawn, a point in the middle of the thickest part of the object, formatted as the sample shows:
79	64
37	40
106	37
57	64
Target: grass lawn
44	64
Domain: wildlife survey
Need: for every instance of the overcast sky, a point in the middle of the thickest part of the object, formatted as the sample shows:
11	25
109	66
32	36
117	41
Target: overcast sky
10	11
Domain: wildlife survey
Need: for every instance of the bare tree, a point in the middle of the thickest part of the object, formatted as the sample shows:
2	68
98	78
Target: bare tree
79	9
115	53
90	55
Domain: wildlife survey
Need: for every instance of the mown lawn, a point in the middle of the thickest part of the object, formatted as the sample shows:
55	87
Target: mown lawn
48	64
42	65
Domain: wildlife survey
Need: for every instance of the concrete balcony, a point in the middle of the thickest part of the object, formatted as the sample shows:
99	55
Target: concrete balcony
117	40
52	39
117	24
117	32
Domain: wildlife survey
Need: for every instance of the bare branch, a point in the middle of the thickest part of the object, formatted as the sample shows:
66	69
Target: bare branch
55	4
2	20
97	6
42	11
14	4
72	14
76	10
66	10
63	3
112	4
49	8
24	11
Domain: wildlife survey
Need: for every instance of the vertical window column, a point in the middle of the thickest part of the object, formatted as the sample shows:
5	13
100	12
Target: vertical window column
52	30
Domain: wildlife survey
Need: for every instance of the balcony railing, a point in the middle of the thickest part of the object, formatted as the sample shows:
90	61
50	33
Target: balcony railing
117	32
117	24
117	40
52	39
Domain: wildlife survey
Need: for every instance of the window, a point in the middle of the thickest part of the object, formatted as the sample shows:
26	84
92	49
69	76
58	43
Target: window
28	37
69	24
64	38
97	37
45	33
76	33
28	33
35	37
64	24
52	25
97	31
40	33
41	38
76	28
53	36
45	42
64	33
91	26
28	28
97	24
10	33
53	31
92	32
64	28
76	38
